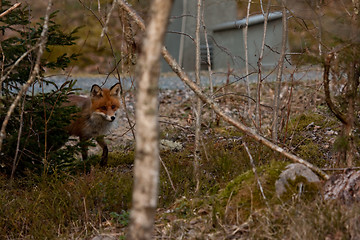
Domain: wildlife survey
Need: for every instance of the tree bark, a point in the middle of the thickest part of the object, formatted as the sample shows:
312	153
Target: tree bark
259	63
329	102
352	91
245	32
198	108
275	124
146	171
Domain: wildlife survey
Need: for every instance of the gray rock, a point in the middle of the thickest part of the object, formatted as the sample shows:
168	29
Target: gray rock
292	171
168	145
104	237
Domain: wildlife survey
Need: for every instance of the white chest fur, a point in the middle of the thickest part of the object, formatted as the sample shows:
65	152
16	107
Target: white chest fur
97	125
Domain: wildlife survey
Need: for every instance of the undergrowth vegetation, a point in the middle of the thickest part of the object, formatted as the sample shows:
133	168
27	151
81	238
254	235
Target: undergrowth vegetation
56	195
84	200
80	204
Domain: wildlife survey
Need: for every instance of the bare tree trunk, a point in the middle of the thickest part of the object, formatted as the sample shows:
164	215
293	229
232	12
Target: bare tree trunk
198	108
275	124
352	91
245	31
208	55
182	36
213	105
146	171
351	95
259	63
348	119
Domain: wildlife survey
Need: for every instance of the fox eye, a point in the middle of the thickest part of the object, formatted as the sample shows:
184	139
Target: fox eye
113	106
103	107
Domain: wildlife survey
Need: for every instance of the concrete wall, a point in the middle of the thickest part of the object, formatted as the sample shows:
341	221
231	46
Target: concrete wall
214	13
229	48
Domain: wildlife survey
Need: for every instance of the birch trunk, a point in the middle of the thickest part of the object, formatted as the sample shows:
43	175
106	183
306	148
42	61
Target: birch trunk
245	31
198	108
259	63
275	123
146	171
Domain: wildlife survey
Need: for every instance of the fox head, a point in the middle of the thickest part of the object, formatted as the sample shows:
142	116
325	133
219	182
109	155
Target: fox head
105	102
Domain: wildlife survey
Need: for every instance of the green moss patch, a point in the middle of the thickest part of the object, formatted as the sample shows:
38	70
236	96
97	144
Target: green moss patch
242	196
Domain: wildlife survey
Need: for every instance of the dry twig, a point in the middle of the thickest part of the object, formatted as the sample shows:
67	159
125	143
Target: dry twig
255	174
16	5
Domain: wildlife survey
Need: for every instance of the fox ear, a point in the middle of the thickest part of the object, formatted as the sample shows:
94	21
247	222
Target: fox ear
115	90
96	91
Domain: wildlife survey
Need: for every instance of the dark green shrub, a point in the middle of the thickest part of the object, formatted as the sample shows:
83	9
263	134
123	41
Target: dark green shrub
40	116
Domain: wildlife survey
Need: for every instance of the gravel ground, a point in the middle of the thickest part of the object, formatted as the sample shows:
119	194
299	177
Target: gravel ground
172	89
172	81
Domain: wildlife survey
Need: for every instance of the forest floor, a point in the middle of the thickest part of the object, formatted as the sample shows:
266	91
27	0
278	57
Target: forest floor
307	129
229	203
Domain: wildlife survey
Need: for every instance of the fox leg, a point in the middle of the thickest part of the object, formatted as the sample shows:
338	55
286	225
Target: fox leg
104	158
84	149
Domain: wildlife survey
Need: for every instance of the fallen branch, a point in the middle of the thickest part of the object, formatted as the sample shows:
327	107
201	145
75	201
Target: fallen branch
213	105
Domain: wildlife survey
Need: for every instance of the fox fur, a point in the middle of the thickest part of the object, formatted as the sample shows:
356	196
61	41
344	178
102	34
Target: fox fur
96	117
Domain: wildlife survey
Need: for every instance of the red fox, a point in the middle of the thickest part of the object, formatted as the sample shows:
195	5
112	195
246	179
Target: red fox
96	117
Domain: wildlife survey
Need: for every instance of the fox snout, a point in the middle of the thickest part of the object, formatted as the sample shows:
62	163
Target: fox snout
110	118
106	117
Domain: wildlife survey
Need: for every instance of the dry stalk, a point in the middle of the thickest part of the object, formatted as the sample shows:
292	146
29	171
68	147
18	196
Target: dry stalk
255	174
168	174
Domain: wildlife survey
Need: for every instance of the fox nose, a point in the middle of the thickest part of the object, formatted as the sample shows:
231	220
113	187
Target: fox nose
112	118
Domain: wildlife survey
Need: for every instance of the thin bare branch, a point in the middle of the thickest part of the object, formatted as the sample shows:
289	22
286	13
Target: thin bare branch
35	72
198	110
279	76
15	162
210	72
245	32
16	5
168	174
327	64
105	27
255	174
